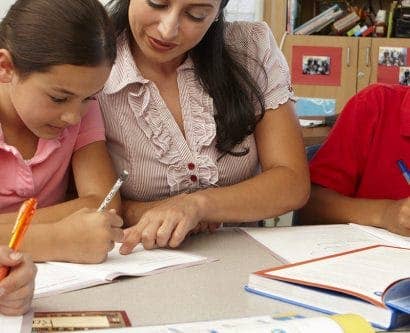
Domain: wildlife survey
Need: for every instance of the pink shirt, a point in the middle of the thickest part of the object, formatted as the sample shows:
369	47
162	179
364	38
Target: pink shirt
144	138
45	175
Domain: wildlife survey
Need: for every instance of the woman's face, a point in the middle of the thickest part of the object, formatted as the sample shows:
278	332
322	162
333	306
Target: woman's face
165	30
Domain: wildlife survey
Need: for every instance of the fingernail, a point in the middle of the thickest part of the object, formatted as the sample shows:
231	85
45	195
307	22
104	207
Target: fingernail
15	256
2	291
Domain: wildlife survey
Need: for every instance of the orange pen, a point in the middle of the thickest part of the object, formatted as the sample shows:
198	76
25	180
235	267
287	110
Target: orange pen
24	217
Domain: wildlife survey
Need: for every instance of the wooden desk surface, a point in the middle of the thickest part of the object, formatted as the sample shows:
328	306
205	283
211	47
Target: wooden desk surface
206	292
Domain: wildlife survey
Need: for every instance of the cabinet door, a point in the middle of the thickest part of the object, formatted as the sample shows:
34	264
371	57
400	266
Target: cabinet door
390	60
339	82
364	67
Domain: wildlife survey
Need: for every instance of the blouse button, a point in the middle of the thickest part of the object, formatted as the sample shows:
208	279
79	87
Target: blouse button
191	166
194	178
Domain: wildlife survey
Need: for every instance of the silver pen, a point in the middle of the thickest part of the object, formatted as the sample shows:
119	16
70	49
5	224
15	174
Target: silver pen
123	177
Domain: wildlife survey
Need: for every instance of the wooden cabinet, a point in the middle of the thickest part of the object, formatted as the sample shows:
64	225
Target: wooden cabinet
347	61
358	63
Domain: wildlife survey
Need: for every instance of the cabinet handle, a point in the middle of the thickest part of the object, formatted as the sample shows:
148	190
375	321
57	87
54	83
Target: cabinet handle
348	57
367	56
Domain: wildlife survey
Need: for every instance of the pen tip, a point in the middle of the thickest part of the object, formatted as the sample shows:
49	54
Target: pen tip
124	175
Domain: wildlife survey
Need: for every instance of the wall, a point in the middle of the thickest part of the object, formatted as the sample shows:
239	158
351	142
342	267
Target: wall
237	9
5	5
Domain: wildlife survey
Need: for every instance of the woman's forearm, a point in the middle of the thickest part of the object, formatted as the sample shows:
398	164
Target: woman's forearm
272	193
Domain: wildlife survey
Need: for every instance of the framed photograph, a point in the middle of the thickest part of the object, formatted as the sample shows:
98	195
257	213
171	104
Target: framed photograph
315	65
404	76
392	56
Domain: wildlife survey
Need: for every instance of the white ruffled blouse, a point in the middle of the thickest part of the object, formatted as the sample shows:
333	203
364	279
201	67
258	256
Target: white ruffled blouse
144	138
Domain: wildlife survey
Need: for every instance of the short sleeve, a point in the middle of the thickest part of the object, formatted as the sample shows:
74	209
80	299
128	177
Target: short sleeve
341	160
256	40
91	127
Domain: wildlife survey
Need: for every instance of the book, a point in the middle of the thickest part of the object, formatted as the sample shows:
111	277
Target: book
320	21
286	323
58	277
346	22
369	282
69	321
393	6
300	243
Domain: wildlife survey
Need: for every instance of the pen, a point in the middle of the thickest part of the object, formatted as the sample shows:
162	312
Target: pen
404	171
123	176
23	220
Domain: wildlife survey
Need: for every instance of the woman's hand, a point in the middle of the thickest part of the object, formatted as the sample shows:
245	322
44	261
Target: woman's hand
166	224
16	289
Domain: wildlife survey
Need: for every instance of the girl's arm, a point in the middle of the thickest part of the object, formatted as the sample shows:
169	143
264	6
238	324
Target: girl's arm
67	231
94	176
282	186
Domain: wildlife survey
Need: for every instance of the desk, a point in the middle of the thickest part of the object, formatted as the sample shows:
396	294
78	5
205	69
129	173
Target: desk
206	292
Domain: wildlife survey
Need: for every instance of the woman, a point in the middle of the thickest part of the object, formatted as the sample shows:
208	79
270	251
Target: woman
184	109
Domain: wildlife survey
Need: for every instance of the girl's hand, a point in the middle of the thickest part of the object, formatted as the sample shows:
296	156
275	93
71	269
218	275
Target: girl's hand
16	289
87	236
166	224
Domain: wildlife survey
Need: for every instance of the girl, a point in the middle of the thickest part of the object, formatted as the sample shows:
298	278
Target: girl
55	55
185	113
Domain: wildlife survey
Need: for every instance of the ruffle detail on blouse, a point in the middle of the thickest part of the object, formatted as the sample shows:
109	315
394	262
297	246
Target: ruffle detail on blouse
180	178
151	122
160	128
199	120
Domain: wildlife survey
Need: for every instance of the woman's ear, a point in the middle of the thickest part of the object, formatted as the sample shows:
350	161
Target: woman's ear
6	66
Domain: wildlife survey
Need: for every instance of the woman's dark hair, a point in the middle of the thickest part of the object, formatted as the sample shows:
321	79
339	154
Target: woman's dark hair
223	75
40	34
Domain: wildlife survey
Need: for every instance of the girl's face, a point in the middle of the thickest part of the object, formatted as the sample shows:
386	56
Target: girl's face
49	102
164	30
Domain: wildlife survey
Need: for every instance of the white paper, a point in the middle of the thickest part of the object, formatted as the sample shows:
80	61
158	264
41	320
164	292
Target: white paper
10	324
58	277
262	324
293	244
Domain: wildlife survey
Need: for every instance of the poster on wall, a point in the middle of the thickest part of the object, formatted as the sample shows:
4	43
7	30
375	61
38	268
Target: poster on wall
313	65
393	65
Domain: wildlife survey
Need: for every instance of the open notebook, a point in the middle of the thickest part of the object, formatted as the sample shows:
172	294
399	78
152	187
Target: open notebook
57	277
298	243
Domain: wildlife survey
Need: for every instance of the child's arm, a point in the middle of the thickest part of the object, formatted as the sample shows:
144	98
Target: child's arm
94	177
68	231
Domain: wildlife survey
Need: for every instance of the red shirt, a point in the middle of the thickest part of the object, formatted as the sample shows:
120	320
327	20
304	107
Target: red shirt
359	158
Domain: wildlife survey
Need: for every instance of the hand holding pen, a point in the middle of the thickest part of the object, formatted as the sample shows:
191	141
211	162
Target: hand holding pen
17	271
23	220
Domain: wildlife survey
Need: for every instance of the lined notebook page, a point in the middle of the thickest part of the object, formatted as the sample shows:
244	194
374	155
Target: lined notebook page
57	277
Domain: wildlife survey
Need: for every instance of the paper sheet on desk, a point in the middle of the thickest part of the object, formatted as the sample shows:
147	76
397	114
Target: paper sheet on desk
18	324
293	244
57	277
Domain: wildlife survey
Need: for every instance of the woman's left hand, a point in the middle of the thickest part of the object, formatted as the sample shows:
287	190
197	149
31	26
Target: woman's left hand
166	224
